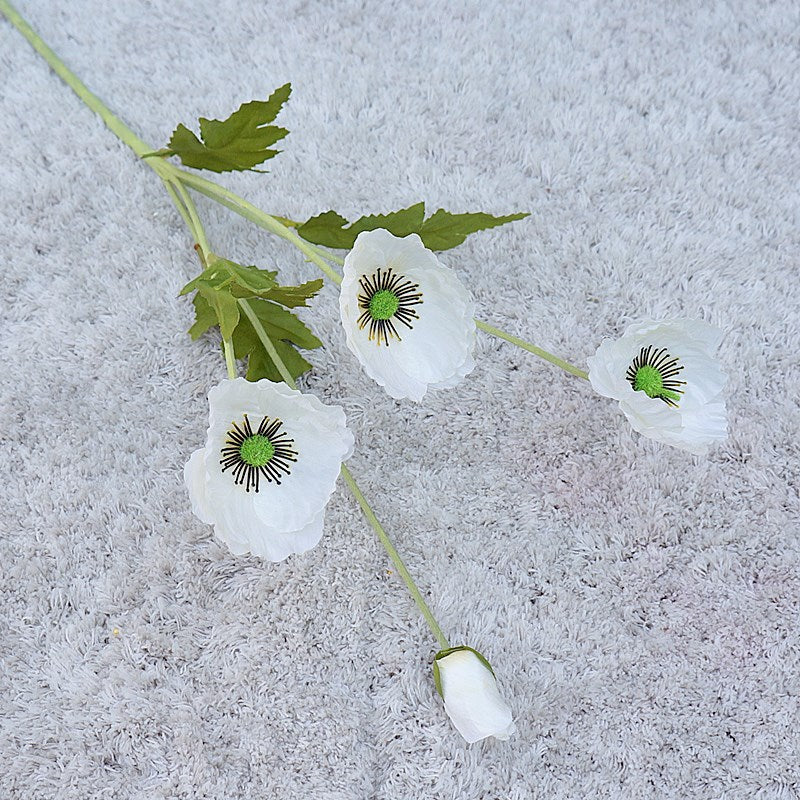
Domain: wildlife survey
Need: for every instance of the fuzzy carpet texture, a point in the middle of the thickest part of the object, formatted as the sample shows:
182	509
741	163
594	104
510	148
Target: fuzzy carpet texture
641	605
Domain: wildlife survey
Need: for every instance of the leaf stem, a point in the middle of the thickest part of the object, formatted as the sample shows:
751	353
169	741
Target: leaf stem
353	486
254	214
196	226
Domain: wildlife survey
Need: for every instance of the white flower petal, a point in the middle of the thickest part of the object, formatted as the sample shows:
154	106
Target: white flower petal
194	476
472	699
280	518
699	418
436	352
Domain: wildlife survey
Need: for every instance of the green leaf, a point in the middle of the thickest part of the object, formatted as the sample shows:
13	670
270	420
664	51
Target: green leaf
252	279
441	231
327	229
224	305
284	330
205	317
444	230
260	365
239	142
293	296
243	281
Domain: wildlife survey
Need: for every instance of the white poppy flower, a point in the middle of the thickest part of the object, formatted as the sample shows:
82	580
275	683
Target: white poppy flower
269	467
667	381
408	319
466	681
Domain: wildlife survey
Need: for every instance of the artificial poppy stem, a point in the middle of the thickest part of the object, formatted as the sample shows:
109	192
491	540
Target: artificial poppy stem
353	486
196	227
175	178
532	348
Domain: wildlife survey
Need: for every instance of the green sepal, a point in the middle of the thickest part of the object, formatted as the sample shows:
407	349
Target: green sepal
237	143
437	678
441	231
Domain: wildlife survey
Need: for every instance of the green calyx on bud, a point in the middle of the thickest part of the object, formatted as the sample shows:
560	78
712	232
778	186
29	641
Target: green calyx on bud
437	678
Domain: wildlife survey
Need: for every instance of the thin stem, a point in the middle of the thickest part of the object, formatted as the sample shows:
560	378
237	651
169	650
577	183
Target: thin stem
196	225
532	348
396	560
115	124
267	342
178	203
254	214
353	486
230	361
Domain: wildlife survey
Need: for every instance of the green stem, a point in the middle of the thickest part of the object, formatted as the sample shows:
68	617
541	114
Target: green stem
353	486
114	123
396	560
532	348
230	361
254	214
195	225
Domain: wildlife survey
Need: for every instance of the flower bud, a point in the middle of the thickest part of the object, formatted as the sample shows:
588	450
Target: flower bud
466	682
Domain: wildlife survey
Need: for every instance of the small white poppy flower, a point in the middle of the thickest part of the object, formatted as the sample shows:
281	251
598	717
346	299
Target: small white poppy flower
466	681
408	319
667	380
269	467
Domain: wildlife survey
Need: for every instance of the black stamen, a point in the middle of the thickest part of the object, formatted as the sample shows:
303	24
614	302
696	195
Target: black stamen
407	295
249	475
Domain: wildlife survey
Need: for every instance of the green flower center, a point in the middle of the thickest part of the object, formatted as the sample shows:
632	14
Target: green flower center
387	301
251	455
257	450
655	372
383	304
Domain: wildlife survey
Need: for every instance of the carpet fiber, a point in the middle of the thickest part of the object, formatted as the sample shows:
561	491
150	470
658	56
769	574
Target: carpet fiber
640	605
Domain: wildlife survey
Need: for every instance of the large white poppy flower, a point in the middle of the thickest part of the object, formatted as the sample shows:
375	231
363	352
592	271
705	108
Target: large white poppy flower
408	319
269	467
667	380
472	700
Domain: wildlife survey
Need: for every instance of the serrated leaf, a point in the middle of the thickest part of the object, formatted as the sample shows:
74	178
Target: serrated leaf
260	365
243	281
444	230
239	142
284	330
257	281
205	317
294	296
328	230
282	324
224	305
441	231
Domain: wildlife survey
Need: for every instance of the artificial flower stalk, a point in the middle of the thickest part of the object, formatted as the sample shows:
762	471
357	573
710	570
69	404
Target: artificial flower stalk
463	677
357	493
203	489
198	232
175	179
